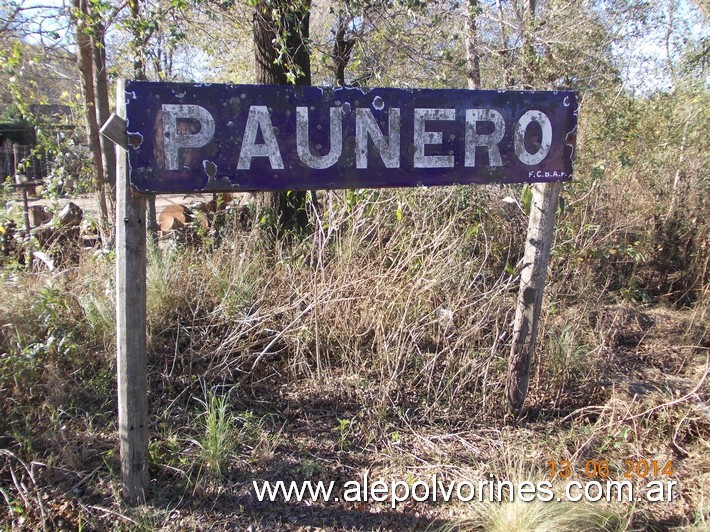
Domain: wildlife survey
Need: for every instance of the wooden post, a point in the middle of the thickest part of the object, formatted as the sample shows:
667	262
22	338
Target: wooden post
538	243
23	188
130	316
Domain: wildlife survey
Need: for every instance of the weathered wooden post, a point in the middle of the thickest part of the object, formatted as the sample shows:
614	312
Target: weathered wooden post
538	243
130	316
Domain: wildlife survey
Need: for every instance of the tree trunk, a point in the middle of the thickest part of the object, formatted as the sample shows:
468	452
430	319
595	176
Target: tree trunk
103	110
85	61
342	47
504	51
529	54
137	43
281	31
473	53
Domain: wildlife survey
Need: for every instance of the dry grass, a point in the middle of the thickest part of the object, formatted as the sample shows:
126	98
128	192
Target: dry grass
540	516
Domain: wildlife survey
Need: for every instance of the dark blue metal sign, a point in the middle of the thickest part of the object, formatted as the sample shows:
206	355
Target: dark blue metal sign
209	137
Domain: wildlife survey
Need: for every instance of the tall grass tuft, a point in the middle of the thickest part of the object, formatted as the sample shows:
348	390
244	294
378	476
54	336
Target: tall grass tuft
217	442
556	515
538	516
161	268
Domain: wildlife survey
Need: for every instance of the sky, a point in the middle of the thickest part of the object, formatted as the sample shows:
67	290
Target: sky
646	58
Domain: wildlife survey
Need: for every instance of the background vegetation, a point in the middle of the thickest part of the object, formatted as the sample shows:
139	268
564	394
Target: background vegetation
375	339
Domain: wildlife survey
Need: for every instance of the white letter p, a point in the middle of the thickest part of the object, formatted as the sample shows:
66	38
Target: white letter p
174	140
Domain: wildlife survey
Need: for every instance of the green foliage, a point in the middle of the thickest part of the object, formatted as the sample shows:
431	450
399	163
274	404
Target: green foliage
234	286
50	339
633	211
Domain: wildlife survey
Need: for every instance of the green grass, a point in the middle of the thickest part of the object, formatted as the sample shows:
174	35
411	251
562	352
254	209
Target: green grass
217	440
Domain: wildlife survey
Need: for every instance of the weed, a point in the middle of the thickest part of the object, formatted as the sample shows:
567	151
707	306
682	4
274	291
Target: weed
100	316
309	468
344	428
161	270
217	442
258	435
566	360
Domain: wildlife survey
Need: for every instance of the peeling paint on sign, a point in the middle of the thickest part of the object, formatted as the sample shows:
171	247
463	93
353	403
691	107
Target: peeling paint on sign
190	138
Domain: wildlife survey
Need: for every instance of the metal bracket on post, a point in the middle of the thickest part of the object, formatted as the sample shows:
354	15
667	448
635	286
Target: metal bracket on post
115	130
130	316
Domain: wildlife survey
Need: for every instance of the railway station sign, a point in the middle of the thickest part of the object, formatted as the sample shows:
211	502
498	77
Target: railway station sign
215	137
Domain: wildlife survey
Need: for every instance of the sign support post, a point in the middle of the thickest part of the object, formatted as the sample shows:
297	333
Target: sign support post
538	243
130	316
